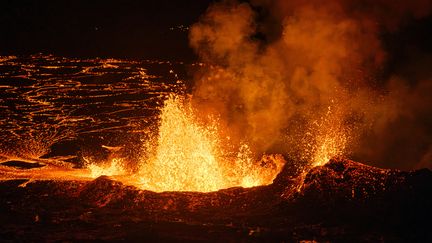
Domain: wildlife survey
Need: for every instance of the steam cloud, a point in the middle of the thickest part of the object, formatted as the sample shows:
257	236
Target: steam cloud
282	73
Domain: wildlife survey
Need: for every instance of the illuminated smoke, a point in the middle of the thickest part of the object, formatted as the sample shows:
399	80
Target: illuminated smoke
275	68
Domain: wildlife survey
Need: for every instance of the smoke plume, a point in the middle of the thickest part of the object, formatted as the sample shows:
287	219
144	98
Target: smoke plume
287	75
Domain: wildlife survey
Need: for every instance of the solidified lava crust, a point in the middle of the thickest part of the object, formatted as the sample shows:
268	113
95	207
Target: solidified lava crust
340	201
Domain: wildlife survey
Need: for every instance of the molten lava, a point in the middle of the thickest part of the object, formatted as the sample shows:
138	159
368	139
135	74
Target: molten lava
188	155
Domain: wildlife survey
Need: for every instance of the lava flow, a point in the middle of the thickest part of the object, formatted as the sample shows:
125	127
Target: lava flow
182	149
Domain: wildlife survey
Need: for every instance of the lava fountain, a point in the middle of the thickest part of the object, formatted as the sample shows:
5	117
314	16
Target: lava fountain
190	155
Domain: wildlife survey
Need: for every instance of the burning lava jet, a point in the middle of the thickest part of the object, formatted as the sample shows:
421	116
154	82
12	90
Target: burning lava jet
187	155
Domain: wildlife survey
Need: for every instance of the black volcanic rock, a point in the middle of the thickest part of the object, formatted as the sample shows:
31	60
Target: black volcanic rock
340	201
21	164
366	202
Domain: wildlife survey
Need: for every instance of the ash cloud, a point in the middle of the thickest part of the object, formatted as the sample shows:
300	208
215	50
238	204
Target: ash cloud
282	73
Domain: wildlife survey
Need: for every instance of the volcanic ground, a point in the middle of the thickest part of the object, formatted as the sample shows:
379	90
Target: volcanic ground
55	111
340	201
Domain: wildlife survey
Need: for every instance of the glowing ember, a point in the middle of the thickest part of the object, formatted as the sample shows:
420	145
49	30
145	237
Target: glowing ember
329	143
326	138
329	146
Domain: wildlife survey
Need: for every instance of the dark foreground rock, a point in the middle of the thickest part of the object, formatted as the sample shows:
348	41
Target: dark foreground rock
340	201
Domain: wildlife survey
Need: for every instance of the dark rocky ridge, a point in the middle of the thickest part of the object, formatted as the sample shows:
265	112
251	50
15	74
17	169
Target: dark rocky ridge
340	201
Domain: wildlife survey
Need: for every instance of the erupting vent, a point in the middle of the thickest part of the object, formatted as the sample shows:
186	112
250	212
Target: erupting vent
188	155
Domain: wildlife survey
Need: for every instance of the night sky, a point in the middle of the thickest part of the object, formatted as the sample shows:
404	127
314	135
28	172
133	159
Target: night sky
151	29
81	28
